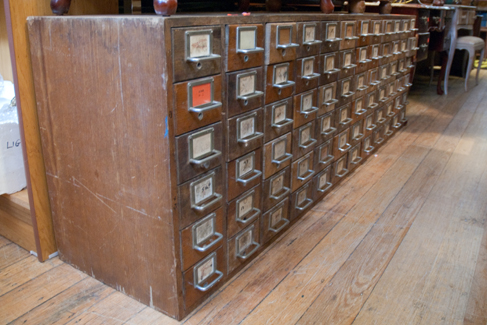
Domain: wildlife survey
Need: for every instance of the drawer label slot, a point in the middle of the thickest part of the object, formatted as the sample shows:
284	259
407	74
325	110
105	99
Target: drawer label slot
201	144
203	189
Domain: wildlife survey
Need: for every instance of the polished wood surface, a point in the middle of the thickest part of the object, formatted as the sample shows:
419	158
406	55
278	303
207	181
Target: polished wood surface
403	240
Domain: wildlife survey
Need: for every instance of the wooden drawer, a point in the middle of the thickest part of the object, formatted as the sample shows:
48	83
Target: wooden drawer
384	74
340	169
343	117
277	155
423	41
325	127
388	31
301	171
304	139
363	32
368	146
197	103
369	125
388	129
376	32
323	155
279	82
244	210
345	91
373	79
330	35
404	47
358	109
388	108
276	188
278	119
199	151
379	116
346	63
396	50
396	123
397	29
361	84
322	183
280	42
307	73
201	238
401	66
355	156
200	196
327	98
385	53
393	69
244	246
412	46
245	133
329	63
305	107
309	38
275	220
348	33
371	100
382	91
391	90
398	104
357	132
244	173
374	55
362	60
301	201
378	136
341	144
198	53
245	91
204	278
245	47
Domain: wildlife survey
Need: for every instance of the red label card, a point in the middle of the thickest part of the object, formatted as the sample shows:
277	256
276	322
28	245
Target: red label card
201	94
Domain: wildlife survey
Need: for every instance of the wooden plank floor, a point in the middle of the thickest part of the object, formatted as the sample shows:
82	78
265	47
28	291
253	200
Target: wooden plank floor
401	241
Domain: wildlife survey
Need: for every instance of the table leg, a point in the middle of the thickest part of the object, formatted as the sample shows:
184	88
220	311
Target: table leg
444	60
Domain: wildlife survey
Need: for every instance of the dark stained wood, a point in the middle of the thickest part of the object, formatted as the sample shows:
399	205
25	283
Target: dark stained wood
297	209
309	142
235	262
303	84
236	148
234	225
273	54
343	144
322	183
305	50
272	196
323	105
271	132
239	61
274	94
302	168
237	106
327	78
236	187
300	116
270	167
344	72
281	208
329	44
323	155
343	117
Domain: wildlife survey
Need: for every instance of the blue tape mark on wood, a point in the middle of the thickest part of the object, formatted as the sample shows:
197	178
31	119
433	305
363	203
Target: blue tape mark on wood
166	134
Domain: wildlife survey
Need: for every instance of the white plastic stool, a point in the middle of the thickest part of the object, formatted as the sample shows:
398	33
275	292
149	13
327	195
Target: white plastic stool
471	44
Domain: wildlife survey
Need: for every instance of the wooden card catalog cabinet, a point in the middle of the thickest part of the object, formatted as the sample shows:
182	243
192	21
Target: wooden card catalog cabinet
213	135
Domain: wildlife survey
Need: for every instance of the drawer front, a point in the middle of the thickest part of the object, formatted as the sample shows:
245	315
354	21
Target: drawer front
413	46
330	68
388	30
278	119
371	100
275	221
197	103
373	79
368	147
355	157
382	91
348	33
301	201
423	42
245	133
198	53
277	155
245	48
201	238
325	127
357	132
199	151
307	73
279	82
327	98
346	63
276	188
244	246
204	278
244	173
245	91
361	84
370	125
396	50
404	46
379	117
200	196
388	129
396	123
340	169
304	140
393	68
244	210
341	144
362	59
376	31
363	32
358	109
388	108
345	91
378	136
305	107
281	42
374	55
391	89
385	53
384	73
398	104
309	39
397	29
302	170
322	183
343	117
330	35
323	155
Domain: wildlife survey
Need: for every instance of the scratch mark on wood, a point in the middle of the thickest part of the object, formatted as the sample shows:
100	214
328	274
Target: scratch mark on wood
139	211
120	68
94	194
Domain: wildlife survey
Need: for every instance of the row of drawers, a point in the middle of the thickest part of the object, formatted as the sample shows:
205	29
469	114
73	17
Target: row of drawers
252	45
264	211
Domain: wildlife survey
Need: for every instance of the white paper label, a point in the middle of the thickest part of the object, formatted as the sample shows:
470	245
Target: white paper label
326	124
199	45
307	102
323	180
279	149
247	127
371	99
383	72
245	206
303	167
367	143
382	93
330	63
354	154
346	87
348	59
246	85
204	231
324	153
277	184
401	65
343	140
389	27
276	217
356	131
403	46
308	68
379	115
331	32
246	165
305	135
394	120
405	26
360	82
328	94
358	105
341	166
349	30
343	115
398	102
391	88
201	145
398	26
393	69
363	54
279	113
396	47
301	197
369	121
203	190
247	39
309	34
365	28
244	241
387	128
281	75
377	28
375	51
389	109
205	270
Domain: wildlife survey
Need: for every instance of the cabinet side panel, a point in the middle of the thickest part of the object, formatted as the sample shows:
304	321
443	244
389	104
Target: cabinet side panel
103	119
